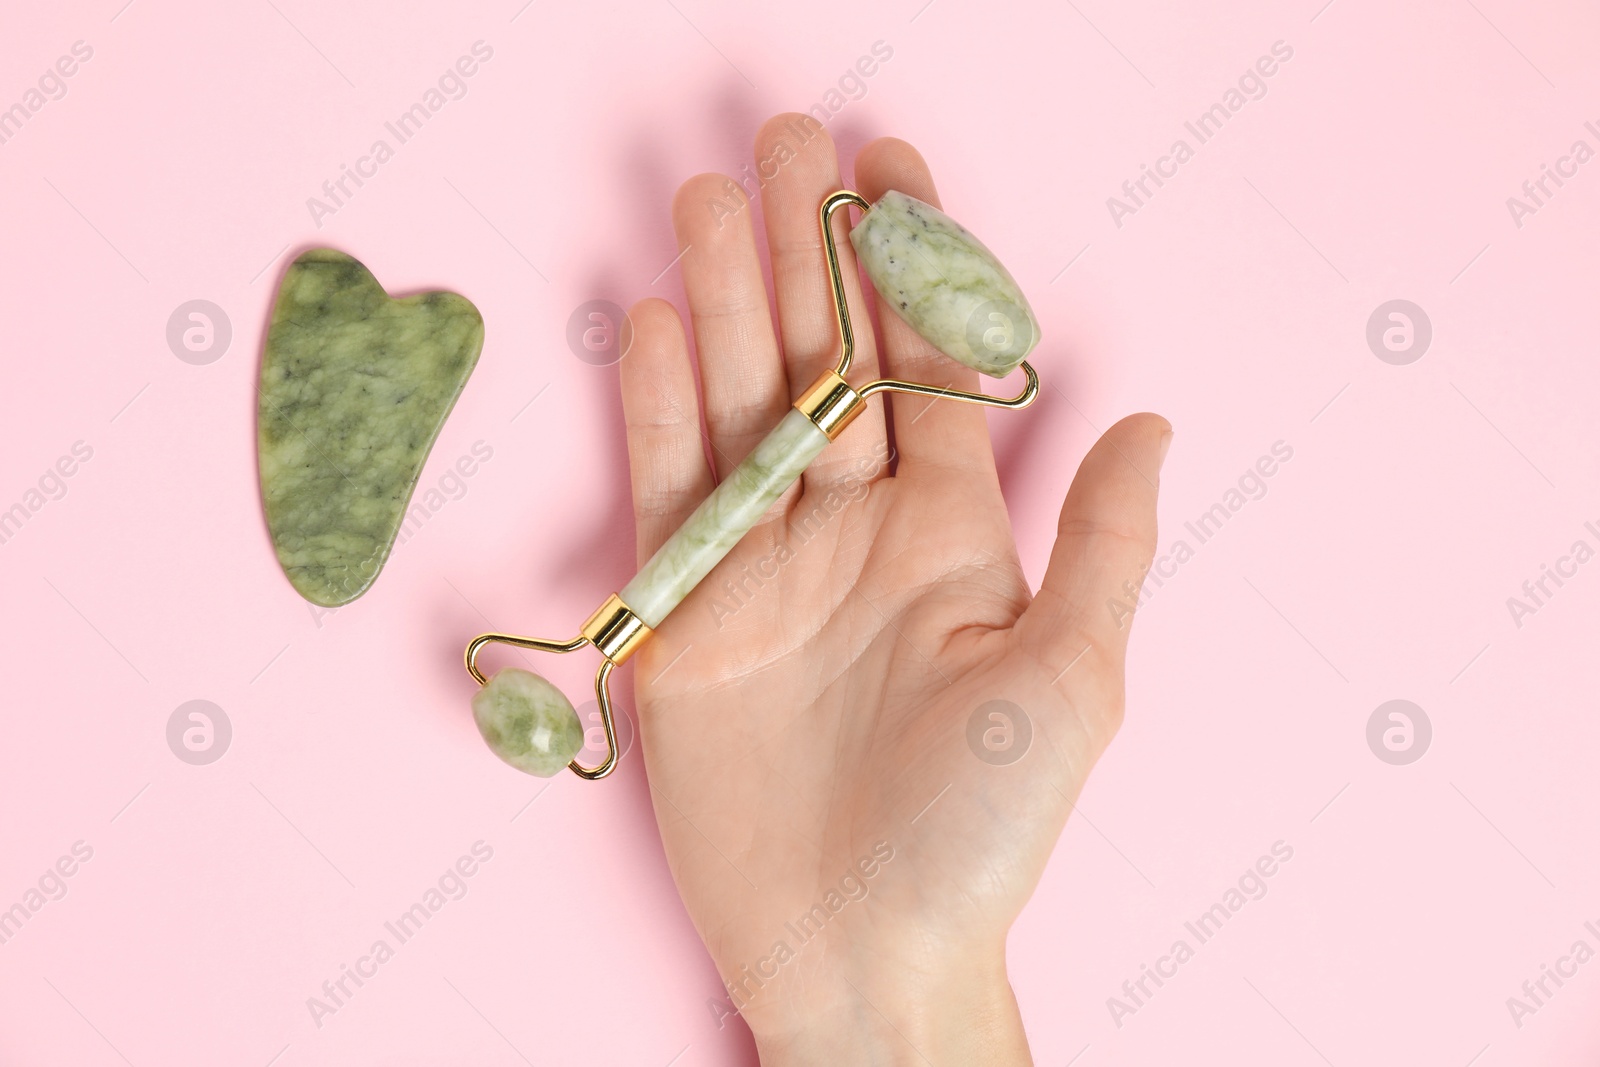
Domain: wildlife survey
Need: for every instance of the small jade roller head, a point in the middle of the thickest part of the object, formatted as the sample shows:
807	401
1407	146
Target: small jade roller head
927	269
528	722
945	284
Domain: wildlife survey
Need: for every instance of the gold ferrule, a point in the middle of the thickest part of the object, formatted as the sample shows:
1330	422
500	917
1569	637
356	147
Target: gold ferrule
830	403
615	631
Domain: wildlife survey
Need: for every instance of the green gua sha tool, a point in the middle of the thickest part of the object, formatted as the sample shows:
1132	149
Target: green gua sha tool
926	268
355	386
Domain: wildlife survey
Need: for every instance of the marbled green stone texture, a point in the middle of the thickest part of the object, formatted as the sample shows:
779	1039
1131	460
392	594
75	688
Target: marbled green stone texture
952	290
355	386
528	722
723	518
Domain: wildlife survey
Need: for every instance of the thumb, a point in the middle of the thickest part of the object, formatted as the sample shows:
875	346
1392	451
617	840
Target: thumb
1104	544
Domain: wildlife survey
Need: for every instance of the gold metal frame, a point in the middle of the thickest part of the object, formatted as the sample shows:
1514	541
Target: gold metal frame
847	342
602	688
616	630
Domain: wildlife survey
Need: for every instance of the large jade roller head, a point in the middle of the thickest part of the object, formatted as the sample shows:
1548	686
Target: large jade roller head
928	270
931	272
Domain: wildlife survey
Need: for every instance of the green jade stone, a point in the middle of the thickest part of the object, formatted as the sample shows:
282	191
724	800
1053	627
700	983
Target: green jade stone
528	722
945	284
355	387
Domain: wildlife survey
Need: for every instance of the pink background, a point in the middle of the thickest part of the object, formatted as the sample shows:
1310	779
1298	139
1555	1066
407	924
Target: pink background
1418	499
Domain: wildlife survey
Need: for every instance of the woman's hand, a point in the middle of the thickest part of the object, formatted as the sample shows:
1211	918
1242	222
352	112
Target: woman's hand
863	732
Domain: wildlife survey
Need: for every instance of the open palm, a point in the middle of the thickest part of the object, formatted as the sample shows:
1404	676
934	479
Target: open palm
863	731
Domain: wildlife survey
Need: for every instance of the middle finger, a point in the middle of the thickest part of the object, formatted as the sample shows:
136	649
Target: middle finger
742	378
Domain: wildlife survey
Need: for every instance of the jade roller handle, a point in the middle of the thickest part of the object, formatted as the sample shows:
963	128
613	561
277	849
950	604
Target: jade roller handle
723	518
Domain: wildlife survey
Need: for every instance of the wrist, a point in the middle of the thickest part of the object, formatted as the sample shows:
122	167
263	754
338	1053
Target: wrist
961	1010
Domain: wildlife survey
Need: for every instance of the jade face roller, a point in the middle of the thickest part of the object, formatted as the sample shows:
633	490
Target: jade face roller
927	269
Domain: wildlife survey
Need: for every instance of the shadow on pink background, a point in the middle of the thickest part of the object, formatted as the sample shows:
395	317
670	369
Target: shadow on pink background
1376	165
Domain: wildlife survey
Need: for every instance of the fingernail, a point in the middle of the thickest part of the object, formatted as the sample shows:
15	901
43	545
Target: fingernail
1166	443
